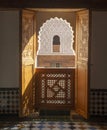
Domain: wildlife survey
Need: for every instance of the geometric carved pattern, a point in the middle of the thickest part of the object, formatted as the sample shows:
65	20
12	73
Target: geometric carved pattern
55	88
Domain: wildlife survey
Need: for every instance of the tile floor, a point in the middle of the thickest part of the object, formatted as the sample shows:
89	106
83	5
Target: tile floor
49	124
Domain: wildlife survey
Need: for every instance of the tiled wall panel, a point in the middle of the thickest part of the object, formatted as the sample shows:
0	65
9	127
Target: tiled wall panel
98	102
9	101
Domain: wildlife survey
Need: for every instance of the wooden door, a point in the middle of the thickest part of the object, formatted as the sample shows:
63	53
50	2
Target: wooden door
27	63
82	31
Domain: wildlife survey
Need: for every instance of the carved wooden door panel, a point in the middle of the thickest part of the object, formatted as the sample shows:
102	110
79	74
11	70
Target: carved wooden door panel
28	57
82	64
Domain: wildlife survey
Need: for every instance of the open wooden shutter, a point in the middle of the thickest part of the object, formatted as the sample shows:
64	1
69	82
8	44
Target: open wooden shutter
82	63
27	64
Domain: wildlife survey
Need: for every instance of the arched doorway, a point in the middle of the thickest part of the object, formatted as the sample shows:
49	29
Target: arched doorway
81	75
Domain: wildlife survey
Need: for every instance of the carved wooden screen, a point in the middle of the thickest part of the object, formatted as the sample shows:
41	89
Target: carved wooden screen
55	89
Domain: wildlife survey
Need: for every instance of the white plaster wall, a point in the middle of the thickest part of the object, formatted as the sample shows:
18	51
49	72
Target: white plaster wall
99	50
9	49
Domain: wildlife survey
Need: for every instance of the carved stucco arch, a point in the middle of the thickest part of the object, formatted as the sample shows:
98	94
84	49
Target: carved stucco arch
52	27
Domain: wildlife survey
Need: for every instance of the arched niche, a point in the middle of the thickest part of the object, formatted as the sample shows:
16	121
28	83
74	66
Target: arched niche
55	27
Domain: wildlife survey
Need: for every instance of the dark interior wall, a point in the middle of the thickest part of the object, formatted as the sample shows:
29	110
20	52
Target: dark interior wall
44	3
9	49
53	3
99	50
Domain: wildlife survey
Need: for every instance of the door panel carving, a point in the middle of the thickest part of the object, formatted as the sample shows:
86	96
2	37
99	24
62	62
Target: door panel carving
82	64
28	47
